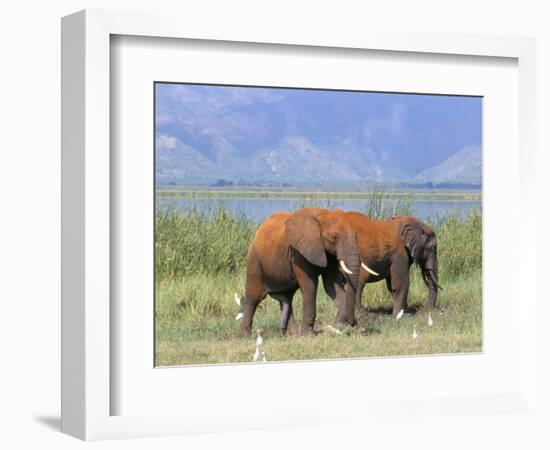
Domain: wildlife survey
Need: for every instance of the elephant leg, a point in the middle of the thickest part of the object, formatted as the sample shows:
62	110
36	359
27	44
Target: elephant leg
399	276
309	294
340	300
307	281
330	286
388	283
361	281
285	304
286	312
390	290
335	287
307	277
360	310
254	294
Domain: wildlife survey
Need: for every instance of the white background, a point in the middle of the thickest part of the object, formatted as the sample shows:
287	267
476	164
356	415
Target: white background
30	290
141	389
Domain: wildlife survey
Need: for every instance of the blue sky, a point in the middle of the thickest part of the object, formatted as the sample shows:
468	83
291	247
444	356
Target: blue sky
389	136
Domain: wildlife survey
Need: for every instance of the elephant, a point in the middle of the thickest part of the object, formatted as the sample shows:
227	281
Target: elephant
289	252
390	247
421	242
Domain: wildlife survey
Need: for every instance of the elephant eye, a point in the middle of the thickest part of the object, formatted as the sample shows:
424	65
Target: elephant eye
331	237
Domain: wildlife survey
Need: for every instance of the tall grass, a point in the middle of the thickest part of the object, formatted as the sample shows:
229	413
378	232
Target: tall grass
216	241
383	205
201	241
459	246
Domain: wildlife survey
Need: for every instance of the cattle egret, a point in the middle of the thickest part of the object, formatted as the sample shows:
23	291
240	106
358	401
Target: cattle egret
264	359
237	299
334	330
239	316
415	334
430	321
400	314
259	339
256	355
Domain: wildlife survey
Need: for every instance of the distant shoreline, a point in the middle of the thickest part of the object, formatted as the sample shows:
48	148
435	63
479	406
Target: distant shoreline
280	193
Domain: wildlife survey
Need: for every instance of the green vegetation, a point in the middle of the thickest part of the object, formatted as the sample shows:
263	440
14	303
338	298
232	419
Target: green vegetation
201	241
201	263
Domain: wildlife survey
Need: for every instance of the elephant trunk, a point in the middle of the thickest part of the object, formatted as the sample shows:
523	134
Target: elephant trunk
352	262
430	275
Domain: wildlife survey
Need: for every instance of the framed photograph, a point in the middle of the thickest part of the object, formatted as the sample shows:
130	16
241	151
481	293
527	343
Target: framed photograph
261	214
262	191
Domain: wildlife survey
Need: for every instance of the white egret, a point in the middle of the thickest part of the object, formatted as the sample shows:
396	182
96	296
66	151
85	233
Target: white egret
256	355
237	299
415	334
430	321
334	330
259	339
239	316
400	314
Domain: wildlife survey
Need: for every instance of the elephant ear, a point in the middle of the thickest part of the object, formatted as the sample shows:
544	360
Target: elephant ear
304	235
415	240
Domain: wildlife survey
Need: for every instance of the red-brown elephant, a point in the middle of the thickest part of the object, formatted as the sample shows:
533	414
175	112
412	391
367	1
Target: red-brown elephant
389	248
289	252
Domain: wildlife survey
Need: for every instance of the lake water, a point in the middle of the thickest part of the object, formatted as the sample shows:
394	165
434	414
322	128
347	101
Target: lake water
257	209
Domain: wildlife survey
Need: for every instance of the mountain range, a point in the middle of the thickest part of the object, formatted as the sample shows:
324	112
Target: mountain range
316	138
462	167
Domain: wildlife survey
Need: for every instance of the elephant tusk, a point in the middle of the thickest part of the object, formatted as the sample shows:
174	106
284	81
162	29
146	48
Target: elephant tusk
369	270
344	267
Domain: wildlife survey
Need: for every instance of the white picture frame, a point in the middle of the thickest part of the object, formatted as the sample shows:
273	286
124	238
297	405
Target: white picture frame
87	316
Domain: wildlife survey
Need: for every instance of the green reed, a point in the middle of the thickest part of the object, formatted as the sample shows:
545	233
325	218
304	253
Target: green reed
201	241
216	241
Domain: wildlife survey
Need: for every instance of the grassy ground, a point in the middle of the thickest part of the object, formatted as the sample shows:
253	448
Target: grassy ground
201	264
